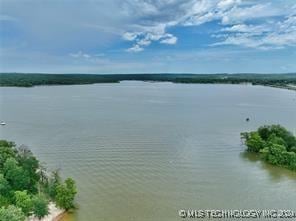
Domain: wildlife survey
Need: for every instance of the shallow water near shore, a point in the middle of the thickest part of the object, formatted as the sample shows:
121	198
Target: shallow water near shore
143	151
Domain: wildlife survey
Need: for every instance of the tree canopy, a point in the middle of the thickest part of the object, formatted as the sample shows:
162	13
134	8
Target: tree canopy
31	79
65	193
26	188
11	213
274	143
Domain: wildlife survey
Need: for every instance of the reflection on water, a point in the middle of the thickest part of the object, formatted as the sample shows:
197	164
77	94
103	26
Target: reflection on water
142	151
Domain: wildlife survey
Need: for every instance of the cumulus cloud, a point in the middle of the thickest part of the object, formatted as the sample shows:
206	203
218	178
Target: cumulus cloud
250	23
245	23
145	35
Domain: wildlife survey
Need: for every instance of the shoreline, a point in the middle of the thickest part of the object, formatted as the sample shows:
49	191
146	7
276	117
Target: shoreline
285	87
54	214
284	80
59	217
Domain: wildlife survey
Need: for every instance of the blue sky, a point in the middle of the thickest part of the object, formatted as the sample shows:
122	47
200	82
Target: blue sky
148	36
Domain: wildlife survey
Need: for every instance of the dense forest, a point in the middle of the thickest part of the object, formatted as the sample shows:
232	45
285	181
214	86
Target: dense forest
26	188
29	80
274	143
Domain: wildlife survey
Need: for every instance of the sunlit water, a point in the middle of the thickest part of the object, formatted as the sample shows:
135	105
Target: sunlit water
142	151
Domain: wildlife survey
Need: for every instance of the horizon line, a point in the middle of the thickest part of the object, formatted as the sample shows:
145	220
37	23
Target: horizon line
153	73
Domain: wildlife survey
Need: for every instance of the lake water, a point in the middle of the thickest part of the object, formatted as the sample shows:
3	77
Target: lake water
143	151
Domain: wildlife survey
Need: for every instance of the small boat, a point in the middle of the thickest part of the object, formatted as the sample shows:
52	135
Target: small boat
2	123
247	119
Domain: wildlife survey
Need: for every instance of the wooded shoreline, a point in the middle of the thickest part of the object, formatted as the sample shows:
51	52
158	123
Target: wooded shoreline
285	80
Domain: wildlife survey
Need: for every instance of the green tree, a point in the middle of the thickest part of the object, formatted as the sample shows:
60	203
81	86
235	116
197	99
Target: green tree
24	201
254	142
21	175
275	144
4	185
15	175
40	206
264	132
274	139
279	131
65	194
30	165
11	213
292	160
275	154
4	191
6	151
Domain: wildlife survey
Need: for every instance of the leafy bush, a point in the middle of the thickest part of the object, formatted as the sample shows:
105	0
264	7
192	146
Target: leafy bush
275	144
11	213
254	142
65	194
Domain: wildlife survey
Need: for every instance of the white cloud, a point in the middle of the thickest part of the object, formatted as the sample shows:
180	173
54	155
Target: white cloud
129	36
145	35
244	28
94	58
241	14
135	48
273	35
79	54
226	4
155	18
144	42
146	22
169	39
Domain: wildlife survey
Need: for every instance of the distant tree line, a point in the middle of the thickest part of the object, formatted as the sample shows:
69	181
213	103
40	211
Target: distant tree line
29	80
26	188
274	143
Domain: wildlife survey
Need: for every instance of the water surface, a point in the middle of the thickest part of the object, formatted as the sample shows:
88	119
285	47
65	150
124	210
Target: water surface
142	151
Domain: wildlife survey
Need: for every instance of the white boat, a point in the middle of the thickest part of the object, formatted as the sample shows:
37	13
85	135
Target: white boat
2	123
